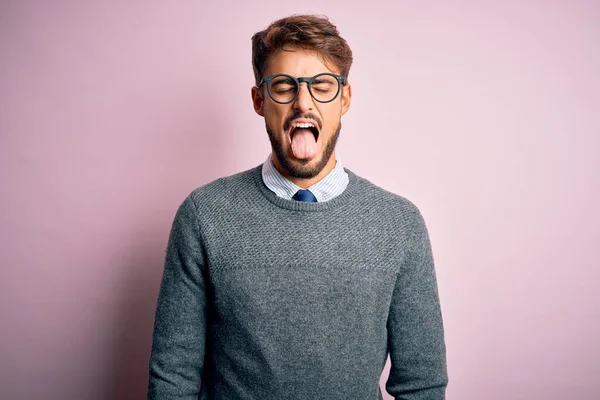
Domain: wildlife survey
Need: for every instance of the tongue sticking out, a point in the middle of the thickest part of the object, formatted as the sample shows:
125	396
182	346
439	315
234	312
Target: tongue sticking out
304	144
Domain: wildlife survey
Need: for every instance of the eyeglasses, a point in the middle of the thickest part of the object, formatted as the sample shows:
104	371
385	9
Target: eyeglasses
284	89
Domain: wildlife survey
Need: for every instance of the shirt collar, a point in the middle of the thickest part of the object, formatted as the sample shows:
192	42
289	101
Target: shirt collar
327	188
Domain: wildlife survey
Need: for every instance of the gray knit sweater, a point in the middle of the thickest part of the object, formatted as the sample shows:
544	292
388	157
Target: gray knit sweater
267	298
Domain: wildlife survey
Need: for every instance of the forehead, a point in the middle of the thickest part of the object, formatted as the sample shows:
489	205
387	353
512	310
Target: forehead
298	62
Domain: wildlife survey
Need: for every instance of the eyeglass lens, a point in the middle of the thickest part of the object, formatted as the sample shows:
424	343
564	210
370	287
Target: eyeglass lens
283	88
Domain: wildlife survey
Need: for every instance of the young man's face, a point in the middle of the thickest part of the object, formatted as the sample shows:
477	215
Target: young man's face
301	153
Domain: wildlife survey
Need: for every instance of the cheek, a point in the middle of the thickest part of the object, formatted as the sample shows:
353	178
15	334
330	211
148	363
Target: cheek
274	115
331	118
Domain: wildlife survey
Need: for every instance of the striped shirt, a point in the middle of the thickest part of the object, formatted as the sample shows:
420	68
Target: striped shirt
327	188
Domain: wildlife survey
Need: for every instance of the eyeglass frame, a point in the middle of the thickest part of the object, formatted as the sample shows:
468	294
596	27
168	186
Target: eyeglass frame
341	82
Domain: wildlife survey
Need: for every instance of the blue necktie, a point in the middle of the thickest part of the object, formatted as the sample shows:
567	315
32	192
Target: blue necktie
305	195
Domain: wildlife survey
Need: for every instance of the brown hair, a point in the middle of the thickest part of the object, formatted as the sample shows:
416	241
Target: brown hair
308	32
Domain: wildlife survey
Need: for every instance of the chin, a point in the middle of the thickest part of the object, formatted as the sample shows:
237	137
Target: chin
305	168
302	168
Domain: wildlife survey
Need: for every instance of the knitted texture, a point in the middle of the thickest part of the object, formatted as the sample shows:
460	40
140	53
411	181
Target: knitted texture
268	298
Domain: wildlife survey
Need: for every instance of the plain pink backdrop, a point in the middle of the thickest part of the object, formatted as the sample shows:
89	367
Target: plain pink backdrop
485	114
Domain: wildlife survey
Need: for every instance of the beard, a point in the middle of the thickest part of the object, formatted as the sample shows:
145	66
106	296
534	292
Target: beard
300	169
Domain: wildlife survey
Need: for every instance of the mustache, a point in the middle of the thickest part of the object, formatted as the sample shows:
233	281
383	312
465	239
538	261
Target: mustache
288	122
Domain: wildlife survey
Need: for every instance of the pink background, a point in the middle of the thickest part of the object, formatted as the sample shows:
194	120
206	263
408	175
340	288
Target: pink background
486	115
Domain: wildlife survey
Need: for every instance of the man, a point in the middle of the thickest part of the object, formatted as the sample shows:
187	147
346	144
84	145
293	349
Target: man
296	278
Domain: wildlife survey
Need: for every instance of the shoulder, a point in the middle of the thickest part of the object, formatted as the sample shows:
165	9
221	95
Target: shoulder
224	191
395	208
380	197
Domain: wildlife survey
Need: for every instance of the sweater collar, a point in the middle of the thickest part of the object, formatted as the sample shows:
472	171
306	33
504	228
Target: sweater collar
326	189
346	197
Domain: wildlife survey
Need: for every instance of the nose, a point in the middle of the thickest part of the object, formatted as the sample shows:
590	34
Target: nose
304	101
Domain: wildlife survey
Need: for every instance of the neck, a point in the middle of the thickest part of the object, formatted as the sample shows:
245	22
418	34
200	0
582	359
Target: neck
306	183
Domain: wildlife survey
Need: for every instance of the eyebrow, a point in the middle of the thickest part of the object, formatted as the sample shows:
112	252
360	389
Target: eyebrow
322	81
283	80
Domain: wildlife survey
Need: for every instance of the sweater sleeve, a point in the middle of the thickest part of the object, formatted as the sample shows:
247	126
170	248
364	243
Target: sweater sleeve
178	342
415	329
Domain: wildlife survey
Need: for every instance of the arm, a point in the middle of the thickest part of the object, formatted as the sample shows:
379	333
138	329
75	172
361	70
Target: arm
415	330
178	341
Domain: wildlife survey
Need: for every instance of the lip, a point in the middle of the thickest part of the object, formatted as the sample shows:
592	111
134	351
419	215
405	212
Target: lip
303	121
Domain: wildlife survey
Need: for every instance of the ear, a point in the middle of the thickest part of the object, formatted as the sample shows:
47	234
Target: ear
258	101
346	98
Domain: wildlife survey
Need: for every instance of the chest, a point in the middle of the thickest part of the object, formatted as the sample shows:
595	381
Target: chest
304	267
